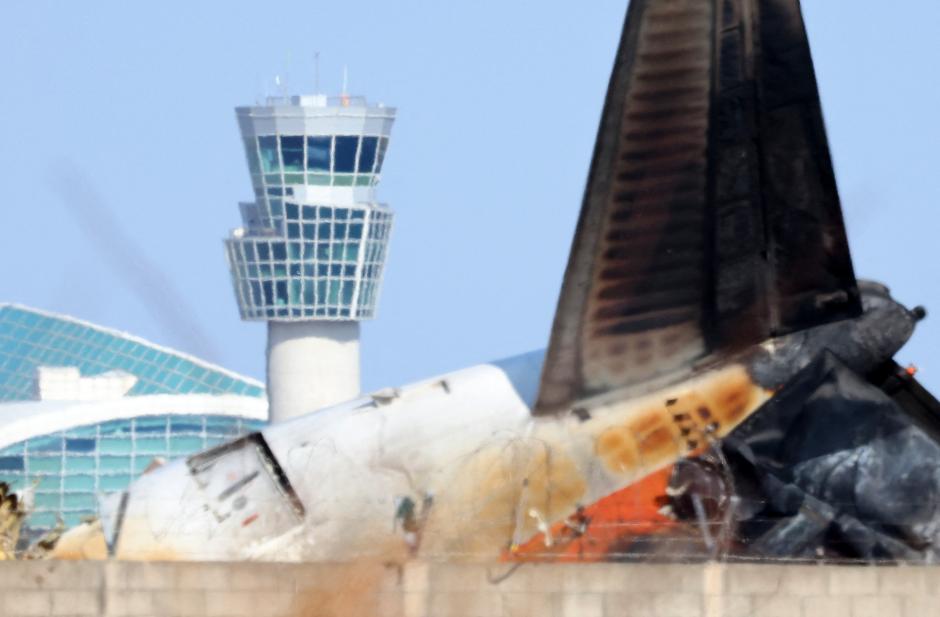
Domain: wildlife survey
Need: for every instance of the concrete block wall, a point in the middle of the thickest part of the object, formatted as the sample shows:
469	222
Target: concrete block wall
137	589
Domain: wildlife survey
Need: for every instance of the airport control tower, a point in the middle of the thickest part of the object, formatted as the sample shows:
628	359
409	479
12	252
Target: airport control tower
310	256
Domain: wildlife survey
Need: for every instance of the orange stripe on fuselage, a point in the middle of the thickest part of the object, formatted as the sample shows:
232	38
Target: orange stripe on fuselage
630	512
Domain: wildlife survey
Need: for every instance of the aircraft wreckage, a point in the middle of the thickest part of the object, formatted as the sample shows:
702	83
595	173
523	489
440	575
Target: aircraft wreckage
717	384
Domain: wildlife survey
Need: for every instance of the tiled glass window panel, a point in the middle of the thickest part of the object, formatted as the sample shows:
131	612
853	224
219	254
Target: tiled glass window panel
278	161
328	267
71	469
29	339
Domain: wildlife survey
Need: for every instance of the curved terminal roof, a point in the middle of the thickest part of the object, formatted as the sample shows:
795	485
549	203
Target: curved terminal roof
24	420
30	338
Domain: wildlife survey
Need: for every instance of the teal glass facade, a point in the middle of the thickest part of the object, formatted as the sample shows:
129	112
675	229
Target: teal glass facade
30	339
70	469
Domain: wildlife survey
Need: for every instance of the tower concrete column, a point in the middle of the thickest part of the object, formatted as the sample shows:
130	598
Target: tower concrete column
311	365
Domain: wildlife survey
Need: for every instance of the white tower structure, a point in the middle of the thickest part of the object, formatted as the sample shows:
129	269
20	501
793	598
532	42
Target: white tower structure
310	255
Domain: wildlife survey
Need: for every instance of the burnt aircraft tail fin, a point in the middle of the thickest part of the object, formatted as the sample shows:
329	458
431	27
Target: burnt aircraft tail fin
711	219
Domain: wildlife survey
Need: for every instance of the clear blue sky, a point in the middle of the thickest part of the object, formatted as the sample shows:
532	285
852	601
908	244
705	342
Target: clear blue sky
498	106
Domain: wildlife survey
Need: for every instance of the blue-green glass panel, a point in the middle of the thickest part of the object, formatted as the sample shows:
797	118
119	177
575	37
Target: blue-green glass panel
333	296
347	292
44	482
48	444
80	444
116	464
256	292
11	463
383	146
114	483
267	146
153	424
80	463
292	152
318	153
185	445
252	154
344	157
186	424
42	520
75	501
45	464
342	180
46	501
150	445
367	153
80	483
121	445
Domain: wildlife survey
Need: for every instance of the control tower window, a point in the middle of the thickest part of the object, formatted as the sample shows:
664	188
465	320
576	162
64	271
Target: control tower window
318	153
345	156
251	150
367	152
269	160
292	153
383	145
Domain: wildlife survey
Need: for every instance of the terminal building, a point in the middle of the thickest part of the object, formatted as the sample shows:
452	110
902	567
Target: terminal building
309	257
85	409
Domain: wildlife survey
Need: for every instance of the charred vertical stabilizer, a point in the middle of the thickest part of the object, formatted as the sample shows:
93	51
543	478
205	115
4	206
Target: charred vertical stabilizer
711	219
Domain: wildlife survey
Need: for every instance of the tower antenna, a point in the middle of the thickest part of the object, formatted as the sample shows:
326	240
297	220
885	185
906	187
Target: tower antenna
345	78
